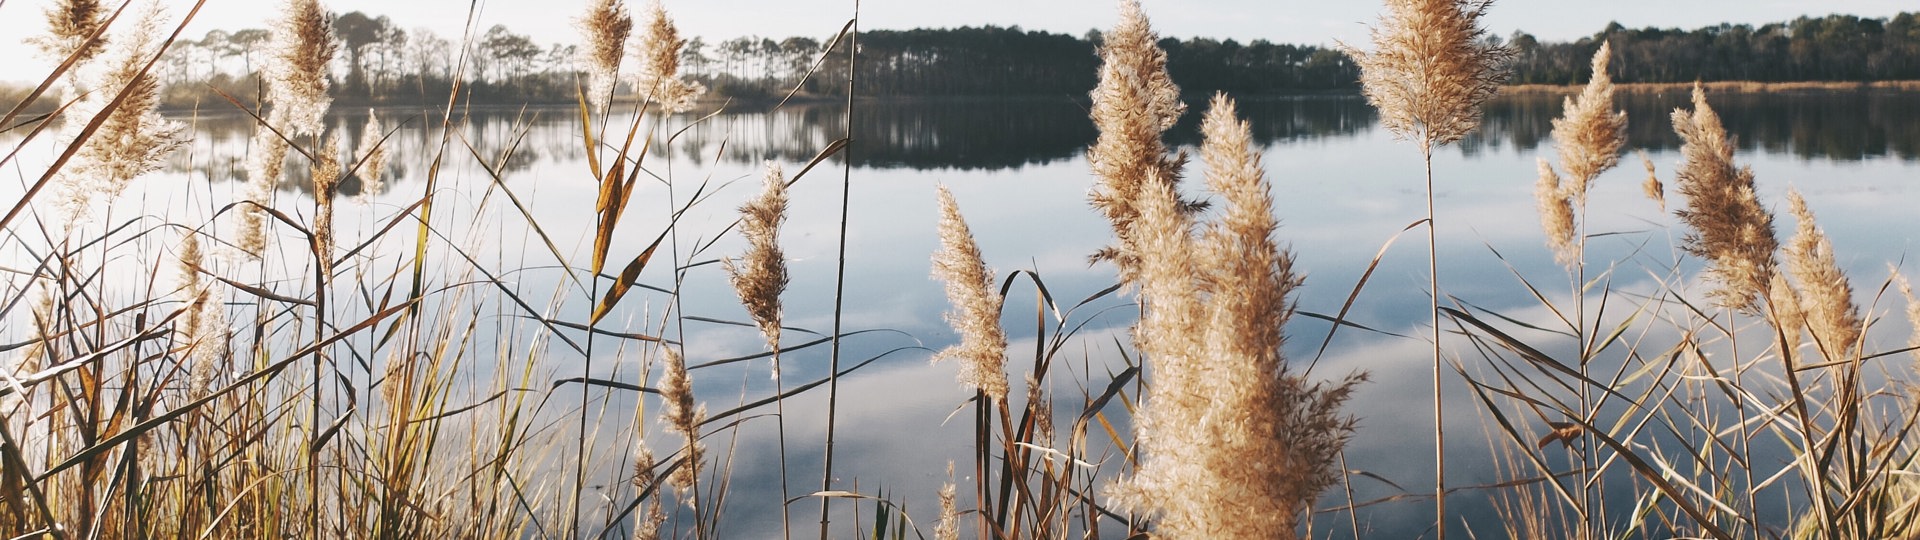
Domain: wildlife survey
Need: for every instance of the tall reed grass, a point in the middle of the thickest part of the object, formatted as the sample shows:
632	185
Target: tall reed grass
329	381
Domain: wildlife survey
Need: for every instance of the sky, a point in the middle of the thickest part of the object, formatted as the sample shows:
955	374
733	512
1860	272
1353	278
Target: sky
1321	22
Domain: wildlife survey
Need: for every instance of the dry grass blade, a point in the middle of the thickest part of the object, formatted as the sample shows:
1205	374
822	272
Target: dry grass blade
611	203
628	276
818	61
1354	293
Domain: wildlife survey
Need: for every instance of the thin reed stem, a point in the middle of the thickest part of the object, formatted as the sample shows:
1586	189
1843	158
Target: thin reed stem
1439	418
840	269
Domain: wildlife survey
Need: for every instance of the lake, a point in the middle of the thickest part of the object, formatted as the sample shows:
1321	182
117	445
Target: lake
1343	188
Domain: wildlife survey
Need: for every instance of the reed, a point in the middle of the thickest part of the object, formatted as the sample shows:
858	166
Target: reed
1134	103
607	25
1429	75
372	159
982	351
758	279
1226	426
658	53
1726	224
341	390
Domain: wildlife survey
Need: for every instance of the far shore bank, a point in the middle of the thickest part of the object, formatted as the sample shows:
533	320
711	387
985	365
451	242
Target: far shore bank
1722	86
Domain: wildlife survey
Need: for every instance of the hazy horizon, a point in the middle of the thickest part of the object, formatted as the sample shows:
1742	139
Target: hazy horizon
1310	23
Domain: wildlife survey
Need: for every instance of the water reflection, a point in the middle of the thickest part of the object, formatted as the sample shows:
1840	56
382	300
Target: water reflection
1009	134
1347	188
1836	125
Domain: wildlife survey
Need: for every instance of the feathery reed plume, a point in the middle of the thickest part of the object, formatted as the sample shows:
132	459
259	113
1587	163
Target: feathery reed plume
647	528
1430	70
1224	426
761	276
982	350
1589	133
1913	311
1787	313
1429	74
682	417
268	158
1041	408
70	28
1826	296
1250	275
204	328
32	357
1134	103
659	52
949	525
607	26
373	158
302	49
135	139
1652	187
326	180
1556	215
1728	226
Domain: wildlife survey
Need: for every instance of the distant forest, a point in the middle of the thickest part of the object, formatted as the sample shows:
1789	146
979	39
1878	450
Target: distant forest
382	63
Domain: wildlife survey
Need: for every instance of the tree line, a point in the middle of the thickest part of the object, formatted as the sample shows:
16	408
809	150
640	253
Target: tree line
1837	48
382	62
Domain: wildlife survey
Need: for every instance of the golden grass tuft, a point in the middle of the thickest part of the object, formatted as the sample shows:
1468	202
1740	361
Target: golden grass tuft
71	25
761	276
1652	187
1556	215
1913	312
1826	296
1728	227
1133	104
1431	70
607	25
302	49
267	158
658	50
372	158
1225	428
682	417
948	528
982	350
325	174
204	328
1589	133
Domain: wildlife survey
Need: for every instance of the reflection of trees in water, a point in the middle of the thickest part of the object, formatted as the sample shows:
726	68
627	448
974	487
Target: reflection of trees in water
1005	134
1840	125
959	134
986	134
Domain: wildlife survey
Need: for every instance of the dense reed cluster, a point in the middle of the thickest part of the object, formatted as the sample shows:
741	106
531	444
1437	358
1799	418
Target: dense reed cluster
1227	426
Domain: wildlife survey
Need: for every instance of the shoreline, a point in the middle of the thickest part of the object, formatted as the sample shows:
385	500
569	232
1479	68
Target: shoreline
1724	87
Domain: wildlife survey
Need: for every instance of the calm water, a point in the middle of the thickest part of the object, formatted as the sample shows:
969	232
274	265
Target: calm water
1343	188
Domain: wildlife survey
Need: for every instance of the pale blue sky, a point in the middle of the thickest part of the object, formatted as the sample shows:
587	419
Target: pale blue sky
1287	21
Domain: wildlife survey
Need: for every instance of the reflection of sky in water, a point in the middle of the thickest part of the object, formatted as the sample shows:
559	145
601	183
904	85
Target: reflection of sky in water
1342	189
